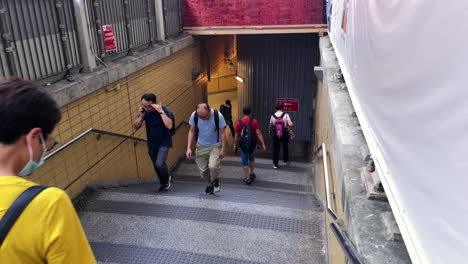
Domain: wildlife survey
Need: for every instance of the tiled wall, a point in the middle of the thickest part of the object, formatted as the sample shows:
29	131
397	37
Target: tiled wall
224	80
105	157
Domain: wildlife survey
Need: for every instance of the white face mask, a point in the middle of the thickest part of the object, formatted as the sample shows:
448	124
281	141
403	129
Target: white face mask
32	165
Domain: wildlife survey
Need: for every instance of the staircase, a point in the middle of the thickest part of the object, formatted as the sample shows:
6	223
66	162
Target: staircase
277	219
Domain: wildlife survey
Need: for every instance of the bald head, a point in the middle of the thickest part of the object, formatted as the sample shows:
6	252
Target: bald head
203	111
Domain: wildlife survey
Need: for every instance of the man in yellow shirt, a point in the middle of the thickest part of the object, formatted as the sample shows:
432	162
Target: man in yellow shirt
48	230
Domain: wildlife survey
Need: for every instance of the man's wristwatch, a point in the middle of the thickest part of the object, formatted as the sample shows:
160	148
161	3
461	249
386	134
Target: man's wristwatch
162	112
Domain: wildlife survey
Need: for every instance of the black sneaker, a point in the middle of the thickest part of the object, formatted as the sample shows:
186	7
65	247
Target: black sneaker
209	190
163	188
253	176
216	186
246	181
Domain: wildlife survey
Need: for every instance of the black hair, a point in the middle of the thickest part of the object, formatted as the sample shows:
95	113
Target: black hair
24	106
247	110
279	106
150	97
206	107
228	102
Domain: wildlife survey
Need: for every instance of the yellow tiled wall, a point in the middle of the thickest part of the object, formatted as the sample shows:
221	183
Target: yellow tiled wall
104	157
323	134
223	80
220	48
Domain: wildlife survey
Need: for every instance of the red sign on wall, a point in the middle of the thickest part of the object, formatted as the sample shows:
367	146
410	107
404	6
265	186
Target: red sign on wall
290	104
109	38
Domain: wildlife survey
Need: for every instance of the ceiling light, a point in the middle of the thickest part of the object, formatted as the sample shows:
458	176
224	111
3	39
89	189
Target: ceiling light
240	79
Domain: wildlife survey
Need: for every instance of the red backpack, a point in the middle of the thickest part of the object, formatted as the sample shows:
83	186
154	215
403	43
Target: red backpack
278	126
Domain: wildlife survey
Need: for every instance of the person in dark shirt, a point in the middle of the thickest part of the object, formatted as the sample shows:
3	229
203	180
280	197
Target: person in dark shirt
226	111
158	121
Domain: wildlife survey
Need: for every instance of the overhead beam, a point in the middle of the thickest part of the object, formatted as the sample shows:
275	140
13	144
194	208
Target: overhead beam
238	30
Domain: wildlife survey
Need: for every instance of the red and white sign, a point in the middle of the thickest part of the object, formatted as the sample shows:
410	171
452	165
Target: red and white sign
290	104
109	38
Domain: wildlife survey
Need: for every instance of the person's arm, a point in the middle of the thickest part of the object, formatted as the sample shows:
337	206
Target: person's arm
236	137
270	126
260	138
191	138
137	123
222	130
165	116
64	238
290	123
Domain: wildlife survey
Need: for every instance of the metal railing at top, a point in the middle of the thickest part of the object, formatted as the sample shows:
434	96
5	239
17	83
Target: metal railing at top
345	243
39	39
133	25
173	20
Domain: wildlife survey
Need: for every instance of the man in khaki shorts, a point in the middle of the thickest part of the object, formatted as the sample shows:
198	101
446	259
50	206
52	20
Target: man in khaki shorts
209	125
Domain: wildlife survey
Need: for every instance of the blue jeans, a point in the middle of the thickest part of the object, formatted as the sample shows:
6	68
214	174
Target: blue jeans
158	157
246	157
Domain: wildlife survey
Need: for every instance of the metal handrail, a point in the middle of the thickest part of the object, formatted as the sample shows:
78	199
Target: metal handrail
64	146
68	144
345	243
327	184
341	237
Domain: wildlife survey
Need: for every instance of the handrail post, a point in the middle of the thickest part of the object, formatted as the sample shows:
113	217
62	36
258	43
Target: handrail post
98	22
181	17
159	13
151	23
128	27
63	37
7	39
87	57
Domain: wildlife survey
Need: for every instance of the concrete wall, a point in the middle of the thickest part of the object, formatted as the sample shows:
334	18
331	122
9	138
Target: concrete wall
337	126
323	134
96	158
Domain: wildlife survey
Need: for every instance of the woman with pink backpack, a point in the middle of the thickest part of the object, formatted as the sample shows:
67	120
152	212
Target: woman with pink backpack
281	131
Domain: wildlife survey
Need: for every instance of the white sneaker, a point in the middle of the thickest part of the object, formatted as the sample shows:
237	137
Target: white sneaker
216	187
169	183
285	163
275	167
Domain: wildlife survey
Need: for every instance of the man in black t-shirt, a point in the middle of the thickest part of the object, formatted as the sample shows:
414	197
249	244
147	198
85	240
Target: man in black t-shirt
158	121
226	111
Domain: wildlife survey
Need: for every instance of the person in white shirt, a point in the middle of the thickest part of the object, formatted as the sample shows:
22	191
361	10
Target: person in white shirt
281	131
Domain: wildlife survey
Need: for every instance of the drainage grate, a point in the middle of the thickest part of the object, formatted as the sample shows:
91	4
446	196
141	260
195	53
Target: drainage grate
107	252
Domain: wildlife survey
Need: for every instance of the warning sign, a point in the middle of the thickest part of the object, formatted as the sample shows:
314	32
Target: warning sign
109	38
290	104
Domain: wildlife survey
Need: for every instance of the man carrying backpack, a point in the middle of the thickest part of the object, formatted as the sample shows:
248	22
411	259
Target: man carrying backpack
280	129
226	111
159	130
210	127
247	135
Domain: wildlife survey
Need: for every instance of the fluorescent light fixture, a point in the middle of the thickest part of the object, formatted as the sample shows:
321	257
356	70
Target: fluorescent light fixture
240	79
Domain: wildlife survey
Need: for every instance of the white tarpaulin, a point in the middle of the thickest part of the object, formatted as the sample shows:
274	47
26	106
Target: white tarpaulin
406	66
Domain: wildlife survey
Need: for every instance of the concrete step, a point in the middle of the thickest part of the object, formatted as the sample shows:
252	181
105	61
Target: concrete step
274	220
